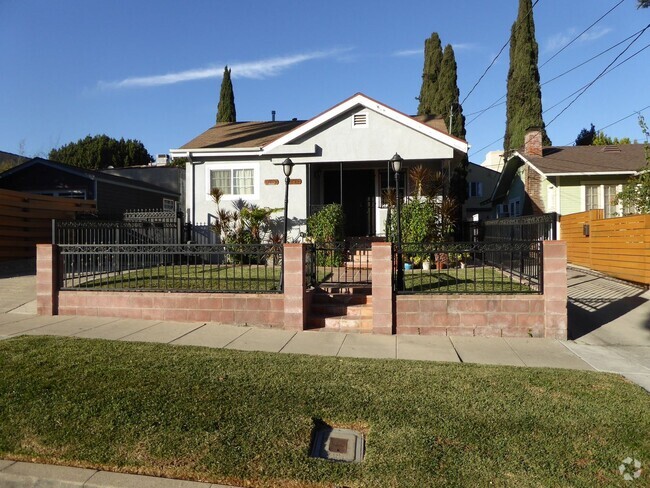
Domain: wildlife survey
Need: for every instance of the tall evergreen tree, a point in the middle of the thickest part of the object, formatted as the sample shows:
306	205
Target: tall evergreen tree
432	61
447	95
524	99
226	109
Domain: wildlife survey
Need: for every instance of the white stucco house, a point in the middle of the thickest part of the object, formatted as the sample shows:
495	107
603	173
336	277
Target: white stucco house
340	156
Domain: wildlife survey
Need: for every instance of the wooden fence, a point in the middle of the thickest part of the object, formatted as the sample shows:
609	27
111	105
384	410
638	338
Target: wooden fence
619	247
26	219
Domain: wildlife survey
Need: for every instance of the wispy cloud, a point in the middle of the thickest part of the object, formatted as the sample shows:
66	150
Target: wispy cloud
259	69
408	52
561	39
419	52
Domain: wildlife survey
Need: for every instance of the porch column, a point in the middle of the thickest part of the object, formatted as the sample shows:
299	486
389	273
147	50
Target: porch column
382	288
555	289
47	282
296	300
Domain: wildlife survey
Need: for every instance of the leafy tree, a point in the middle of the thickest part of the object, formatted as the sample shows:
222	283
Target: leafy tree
602	139
636	193
524	98
432	62
586	137
178	162
643	4
226	109
101	151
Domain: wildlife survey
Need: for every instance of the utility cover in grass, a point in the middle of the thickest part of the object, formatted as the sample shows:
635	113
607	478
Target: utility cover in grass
342	445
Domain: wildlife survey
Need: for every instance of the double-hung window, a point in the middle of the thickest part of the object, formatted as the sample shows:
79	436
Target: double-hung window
592	201
234	182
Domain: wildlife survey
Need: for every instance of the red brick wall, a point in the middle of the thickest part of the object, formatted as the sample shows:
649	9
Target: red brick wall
251	309
382	288
47	258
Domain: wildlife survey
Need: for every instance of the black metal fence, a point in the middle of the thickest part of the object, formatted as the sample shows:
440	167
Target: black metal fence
225	268
527	228
342	264
137	227
505	267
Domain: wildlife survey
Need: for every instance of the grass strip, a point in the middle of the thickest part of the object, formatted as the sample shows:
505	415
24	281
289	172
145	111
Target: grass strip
245	418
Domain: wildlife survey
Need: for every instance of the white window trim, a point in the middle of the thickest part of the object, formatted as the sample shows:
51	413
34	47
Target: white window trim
601	194
231	166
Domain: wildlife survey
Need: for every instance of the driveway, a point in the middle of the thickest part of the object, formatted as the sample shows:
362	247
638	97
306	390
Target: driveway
609	322
18	286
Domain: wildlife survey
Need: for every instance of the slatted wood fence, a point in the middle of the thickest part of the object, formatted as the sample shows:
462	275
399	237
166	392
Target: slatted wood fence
619	247
26	219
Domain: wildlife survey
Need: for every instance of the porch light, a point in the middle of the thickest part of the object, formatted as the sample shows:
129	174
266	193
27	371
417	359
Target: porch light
396	163
287	167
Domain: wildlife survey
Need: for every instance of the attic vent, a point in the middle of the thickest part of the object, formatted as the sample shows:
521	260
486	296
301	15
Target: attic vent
360	120
611	149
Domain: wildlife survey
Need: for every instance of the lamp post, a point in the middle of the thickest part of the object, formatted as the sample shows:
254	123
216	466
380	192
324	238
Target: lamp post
287	167
396	163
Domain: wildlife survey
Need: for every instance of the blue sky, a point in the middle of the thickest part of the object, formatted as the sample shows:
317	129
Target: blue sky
151	70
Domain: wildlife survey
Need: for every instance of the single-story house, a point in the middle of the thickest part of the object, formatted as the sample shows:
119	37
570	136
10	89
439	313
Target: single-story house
114	195
340	156
564	179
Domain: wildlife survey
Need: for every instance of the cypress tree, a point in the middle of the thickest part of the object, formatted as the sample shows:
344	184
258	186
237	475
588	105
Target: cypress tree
226	109
447	95
432	61
524	99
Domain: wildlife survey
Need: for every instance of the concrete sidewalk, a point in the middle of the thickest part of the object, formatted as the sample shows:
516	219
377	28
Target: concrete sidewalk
501	351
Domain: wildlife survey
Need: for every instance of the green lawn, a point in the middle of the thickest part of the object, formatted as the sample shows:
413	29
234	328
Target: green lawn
230	277
245	418
462	280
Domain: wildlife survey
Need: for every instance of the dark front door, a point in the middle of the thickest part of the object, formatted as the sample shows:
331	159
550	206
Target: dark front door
358	198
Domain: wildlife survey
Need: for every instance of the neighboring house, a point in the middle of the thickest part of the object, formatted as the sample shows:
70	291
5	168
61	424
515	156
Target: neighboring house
480	185
113	194
341	156
167	177
566	179
9	160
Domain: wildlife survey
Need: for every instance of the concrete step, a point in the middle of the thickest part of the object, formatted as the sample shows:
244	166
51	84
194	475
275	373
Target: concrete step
339	309
341	323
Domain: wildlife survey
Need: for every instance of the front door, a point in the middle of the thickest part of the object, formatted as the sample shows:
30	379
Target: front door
358	198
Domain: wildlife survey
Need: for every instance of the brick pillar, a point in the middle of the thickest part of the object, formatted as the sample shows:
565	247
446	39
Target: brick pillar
382	288
555	289
296	301
47	273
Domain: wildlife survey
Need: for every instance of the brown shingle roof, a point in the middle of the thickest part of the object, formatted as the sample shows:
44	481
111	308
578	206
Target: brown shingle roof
259	134
590	159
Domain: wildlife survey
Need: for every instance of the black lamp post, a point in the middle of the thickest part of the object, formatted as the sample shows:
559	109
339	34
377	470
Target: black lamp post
287	167
396	163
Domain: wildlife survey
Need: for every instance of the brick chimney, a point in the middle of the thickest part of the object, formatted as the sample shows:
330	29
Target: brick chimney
533	142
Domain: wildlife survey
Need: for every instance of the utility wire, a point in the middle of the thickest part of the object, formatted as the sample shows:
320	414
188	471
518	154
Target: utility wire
636	112
499	54
600	75
580	35
496	103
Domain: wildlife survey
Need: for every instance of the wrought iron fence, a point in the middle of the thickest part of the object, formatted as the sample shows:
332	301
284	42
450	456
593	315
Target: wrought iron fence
340	263
470	267
219	268
116	232
526	228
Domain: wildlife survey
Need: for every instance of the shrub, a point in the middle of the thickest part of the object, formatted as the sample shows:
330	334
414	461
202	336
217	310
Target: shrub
327	227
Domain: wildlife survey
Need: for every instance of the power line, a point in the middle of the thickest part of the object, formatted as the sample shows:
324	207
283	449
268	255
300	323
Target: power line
580	35
496	103
600	75
636	112
499	54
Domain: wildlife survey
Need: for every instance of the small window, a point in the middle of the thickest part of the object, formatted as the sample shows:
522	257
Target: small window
360	120
233	181
169	205
611	207
592	202
515	211
475	189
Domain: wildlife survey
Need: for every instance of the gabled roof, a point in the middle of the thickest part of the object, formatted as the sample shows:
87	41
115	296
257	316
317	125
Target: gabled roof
266	136
86	173
622	159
